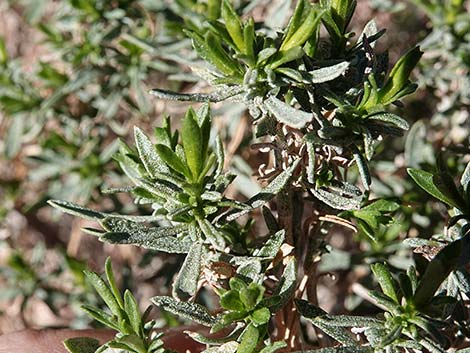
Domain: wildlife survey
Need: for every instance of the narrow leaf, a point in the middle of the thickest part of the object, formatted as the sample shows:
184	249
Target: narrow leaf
112	282
286	114
432	184
104	291
233	25
314	314
191	136
81	345
337	201
363	169
191	311
328	73
172	159
133	313
147	153
304	31
248	339
272	246
76	210
185	285
386	282
214	235
189	97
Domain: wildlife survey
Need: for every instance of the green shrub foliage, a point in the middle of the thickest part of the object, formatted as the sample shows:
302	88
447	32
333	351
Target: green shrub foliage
322	99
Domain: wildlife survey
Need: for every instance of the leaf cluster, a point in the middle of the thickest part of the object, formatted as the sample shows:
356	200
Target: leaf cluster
134	333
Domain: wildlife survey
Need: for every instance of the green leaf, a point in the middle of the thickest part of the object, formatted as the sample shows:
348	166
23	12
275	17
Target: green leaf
390	118
249	40
291	73
392	335
134	343
265	54
336	200
172	160
272	246
168	244
230	300
82	344
363	168
229	347
284	56
342	11
433	185
127	232
251	295
386	282
260	317
250	269
191	311
104	292
382	205
372	218
227	319
133	313
286	287
385	302
236	283
438	270
101	316
186	282
351	321
112	282
233	25
76	210
191	136
302	9
285	114
248	339
204	121
220	58
193	97
303	28
328	73
212	234
147	153
411	273
398	78
214	341
315	314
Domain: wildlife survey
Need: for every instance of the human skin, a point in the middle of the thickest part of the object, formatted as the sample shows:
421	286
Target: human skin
50	341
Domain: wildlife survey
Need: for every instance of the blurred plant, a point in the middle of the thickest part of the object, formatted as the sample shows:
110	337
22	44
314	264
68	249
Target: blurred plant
81	158
29	280
445	68
89	89
134	333
387	6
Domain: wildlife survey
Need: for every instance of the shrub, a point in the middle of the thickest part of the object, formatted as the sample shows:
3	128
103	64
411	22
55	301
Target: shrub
321	100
